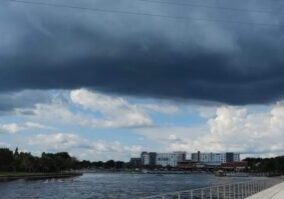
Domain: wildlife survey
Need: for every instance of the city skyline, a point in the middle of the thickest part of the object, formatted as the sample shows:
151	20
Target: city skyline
178	158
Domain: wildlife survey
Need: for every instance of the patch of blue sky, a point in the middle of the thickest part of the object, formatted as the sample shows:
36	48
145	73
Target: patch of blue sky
86	112
258	108
183	119
12	119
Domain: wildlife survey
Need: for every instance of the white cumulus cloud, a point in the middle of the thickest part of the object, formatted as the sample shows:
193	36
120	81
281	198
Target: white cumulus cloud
17	127
117	111
84	148
230	128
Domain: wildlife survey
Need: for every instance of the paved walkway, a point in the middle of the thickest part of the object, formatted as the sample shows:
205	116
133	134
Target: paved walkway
275	192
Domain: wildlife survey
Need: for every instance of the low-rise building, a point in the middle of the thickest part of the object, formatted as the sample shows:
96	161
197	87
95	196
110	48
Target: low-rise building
235	165
190	165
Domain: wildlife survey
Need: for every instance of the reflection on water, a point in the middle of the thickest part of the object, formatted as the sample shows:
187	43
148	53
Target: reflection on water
98	186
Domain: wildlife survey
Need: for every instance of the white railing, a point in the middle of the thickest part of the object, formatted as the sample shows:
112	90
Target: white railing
227	191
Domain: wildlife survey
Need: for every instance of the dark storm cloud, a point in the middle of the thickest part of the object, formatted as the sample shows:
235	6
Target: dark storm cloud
51	48
10	101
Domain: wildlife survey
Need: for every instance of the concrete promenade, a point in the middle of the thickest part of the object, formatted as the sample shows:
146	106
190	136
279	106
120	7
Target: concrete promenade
275	192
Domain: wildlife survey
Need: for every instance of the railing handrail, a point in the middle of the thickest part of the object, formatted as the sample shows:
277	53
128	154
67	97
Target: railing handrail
205	188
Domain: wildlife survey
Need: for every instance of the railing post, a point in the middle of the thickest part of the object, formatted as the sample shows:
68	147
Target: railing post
179	195
242	190
264	185
202	194
246	190
218	192
210	192
224	190
238	190
191	194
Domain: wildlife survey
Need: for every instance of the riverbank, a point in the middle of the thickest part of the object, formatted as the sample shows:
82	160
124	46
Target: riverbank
9	176
185	172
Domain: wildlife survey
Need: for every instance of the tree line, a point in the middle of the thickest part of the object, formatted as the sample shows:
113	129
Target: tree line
15	161
267	165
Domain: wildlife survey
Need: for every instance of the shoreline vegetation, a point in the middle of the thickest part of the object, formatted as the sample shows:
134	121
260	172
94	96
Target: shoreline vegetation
16	165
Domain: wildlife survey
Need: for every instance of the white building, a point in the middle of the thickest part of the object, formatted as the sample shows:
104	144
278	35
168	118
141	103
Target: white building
170	159
237	157
215	158
162	159
145	158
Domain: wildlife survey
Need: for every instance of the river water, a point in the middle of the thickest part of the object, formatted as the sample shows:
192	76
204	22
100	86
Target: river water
109	185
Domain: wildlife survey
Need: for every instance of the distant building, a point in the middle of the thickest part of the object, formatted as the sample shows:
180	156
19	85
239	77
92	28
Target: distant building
195	157
187	164
145	158
152	158
178	159
162	159
148	158
170	159
237	157
235	165
215	158
135	162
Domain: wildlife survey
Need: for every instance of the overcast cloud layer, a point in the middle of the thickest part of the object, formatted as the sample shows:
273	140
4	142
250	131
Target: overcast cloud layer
96	126
60	48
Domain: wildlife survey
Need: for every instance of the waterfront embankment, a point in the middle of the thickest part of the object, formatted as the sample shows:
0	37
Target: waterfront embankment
275	192
9	176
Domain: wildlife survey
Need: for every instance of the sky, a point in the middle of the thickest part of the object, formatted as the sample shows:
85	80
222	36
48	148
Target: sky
107	79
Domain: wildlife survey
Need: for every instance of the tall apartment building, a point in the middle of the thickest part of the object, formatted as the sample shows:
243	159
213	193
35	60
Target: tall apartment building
148	158
215	158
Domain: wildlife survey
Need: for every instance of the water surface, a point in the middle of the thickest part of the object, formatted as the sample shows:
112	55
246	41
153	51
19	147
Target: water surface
109	185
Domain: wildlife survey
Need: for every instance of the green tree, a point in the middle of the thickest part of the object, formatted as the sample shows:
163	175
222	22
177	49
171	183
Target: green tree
6	159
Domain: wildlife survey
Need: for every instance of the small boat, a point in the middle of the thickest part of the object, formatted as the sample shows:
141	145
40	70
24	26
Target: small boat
145	171
220	173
